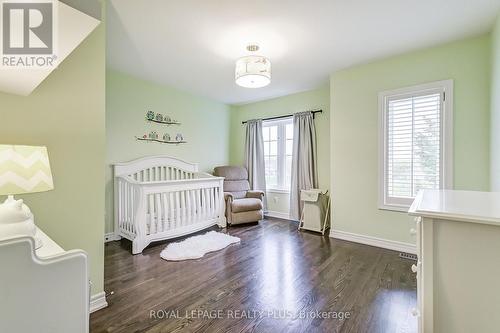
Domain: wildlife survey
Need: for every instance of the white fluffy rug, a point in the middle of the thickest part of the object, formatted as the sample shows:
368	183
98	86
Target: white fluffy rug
197	246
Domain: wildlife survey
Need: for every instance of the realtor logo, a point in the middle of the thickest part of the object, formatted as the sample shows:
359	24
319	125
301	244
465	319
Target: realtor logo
28	33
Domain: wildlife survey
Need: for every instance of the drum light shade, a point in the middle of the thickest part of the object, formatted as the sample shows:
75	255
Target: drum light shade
24	169
253	71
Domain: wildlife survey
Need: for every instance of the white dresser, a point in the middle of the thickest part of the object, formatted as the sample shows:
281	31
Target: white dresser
458	268
44	290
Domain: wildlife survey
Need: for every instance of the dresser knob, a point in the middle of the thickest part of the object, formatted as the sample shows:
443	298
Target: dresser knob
413	231
418	219
414	268
414	312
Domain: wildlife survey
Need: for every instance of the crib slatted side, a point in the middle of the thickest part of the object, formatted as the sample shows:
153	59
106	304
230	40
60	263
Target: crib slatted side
182	208
167	207
189	208
161	173
151	215
125	207
159	212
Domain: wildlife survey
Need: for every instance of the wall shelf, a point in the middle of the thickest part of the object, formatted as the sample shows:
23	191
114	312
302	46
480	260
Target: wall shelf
164	122
160	141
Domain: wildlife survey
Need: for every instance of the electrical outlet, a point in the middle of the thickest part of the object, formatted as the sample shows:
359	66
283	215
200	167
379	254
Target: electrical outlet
276	199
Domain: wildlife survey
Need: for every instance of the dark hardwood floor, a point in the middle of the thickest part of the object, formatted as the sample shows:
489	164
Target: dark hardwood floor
275	280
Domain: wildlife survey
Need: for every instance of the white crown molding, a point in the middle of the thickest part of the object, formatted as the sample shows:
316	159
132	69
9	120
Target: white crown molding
374	241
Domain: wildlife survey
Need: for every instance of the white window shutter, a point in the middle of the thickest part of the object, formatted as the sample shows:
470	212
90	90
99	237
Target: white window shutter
413	142
413	145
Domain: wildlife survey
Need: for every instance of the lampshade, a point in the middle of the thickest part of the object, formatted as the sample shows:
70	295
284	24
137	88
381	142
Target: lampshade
253	71
24	169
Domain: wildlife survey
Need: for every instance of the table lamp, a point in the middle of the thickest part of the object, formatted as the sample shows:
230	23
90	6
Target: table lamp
23	169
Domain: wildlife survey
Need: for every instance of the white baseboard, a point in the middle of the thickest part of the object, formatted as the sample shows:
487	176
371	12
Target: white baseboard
111	237
278	215
374	241
98	302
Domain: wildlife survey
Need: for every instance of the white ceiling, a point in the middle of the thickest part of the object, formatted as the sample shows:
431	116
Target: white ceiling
193	44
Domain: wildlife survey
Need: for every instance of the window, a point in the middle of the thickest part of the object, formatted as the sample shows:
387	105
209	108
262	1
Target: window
415	142
278	146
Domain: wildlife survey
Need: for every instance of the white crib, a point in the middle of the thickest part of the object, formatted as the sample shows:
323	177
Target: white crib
161	197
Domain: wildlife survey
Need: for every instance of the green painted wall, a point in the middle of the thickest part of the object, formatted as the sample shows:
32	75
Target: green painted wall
354	129
66	114
309	100
205	125
495	108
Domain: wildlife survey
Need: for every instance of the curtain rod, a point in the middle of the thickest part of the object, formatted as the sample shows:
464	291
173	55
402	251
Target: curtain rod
286	116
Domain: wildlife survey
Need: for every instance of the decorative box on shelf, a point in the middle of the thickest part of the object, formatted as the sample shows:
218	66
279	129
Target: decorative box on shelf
160	119
172	142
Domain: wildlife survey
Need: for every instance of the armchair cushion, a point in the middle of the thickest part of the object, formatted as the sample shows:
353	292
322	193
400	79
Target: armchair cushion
246	205
231	172
235	180
238	188
255	194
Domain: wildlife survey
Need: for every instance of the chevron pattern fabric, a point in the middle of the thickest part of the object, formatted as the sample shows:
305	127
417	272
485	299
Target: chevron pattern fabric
24	169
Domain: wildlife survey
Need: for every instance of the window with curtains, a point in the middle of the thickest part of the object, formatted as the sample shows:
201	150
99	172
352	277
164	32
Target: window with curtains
416	142
278	146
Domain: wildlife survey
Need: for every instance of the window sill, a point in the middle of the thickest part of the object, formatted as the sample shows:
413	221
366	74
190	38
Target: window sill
274	190
395	208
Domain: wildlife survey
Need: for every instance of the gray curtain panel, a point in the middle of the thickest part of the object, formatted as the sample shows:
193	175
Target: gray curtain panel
254	157
304	162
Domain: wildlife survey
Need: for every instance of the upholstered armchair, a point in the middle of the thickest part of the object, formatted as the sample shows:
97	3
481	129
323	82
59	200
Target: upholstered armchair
242	204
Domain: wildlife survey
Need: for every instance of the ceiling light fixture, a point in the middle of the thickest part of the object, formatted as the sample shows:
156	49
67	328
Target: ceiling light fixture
253	71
